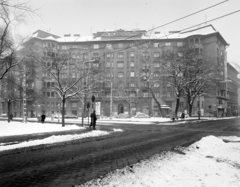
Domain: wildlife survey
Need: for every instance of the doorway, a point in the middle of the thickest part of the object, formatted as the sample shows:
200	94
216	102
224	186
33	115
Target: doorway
120	109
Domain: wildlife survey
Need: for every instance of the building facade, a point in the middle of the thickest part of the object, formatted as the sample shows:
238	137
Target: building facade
122	55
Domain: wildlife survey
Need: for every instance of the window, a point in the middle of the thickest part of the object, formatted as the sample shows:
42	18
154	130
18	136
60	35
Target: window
132	54
131	64
156	85
73	75
156	44
108	94
85	56
120	74
48	94
120	45
156	65
132	94
95	55
64	47
109	46
85	47
52	94
96	46
168	44
156	54
157	95
120	55
180	54
191	40
156	75
132	74
145	54
120	84
169	103
132	85
197	40
145	94
108	64
108	55
74	104
120	65
179	44
107	84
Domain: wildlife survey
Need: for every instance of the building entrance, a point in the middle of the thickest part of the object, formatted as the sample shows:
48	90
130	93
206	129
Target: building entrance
120	109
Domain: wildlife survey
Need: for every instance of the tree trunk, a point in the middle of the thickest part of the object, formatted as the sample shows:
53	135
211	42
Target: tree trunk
158	103
83	109
63	111
190	109
9	109
130	112
177	105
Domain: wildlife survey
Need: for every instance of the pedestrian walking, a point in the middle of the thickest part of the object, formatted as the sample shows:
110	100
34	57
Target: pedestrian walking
183	115
11	116
93	120
172	115
43	116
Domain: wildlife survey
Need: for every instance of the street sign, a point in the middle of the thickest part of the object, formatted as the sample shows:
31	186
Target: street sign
88	105
93	98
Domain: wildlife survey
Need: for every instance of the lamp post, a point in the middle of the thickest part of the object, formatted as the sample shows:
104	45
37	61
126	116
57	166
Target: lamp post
85	95
111	102
199	110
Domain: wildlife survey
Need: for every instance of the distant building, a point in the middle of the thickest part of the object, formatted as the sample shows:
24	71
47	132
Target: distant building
121	53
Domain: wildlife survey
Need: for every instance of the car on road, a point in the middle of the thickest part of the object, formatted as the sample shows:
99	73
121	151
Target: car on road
142	115
122	115
68	116
3	115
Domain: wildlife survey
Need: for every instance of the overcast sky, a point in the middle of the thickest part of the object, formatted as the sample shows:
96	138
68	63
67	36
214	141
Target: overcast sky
88	16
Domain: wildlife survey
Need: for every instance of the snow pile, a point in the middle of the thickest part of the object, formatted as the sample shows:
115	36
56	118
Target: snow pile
54	139
18	128
208	162
117	130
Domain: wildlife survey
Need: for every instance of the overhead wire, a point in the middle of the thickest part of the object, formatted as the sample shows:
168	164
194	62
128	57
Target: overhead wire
165	24
214	19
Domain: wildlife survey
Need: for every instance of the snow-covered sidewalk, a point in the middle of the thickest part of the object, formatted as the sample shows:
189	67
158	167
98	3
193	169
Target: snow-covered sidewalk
18	128
209	162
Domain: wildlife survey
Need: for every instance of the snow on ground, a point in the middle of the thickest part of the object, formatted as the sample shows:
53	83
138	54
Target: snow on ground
208	162
18	128
53	139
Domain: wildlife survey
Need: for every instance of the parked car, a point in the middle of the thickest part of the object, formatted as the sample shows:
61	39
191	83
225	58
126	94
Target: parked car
69	116
122	115
3	115
142	115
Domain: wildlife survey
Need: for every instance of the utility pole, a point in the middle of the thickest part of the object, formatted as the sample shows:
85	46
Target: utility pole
111	103
24	95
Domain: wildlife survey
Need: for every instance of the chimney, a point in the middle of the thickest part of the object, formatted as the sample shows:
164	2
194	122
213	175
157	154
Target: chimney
67	35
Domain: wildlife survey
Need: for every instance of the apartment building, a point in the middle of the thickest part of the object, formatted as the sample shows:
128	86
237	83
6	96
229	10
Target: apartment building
123	55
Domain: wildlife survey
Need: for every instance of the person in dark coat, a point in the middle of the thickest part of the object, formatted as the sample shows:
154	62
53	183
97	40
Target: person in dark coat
93	120
43	116
183	115
11	116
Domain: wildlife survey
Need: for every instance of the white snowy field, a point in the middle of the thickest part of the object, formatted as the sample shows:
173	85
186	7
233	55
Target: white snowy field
209	162
18	128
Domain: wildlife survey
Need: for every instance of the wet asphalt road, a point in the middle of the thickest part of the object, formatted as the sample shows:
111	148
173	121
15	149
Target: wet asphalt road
72	163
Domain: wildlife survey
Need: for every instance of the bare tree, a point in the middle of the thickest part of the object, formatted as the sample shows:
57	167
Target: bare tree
150	78
10	12
202	76
68	76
